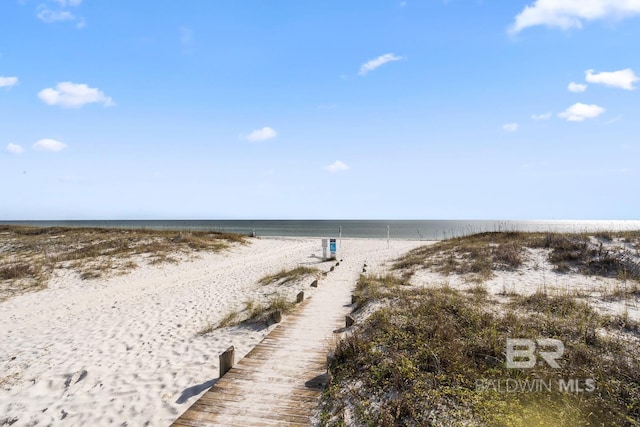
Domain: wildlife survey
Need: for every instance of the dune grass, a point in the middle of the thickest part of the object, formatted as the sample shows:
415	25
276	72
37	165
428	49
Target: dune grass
476	257
284	276
256	312
29	255
433	356
420	360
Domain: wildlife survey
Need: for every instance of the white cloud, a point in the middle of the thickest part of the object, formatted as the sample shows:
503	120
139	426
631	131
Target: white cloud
623	79
14	148
545	116
580	112
49	145
379	61
510	127
566	14
337	166
8	81
261	134
60	13
576	87
49	16
74	95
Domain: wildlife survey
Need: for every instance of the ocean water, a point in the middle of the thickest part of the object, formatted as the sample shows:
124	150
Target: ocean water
398	229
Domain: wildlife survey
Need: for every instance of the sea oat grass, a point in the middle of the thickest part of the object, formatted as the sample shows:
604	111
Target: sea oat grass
31	254
419	361
476	257
284	276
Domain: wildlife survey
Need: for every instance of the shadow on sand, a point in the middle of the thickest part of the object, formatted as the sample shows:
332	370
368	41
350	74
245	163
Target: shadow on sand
195	390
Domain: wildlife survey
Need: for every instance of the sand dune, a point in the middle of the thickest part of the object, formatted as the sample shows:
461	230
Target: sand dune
128	350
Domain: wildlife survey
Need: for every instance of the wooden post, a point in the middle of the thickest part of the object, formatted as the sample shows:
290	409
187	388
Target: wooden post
300	297
276	316
349	320
314	284
387	237
227	360
330	358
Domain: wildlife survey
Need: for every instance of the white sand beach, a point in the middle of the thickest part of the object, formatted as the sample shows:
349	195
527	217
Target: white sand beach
128	350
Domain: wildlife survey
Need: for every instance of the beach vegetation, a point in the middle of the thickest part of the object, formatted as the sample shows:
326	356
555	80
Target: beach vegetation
255	312
207	328
477	257
30	255
624	290
285	276
434	356
263	312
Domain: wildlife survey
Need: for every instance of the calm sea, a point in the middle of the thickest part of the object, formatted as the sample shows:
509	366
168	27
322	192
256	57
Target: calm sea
398	229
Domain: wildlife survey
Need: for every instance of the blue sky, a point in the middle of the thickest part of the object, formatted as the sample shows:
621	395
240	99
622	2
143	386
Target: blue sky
386	109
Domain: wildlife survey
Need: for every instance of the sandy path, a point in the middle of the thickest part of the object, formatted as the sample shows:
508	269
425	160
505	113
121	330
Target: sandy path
126	350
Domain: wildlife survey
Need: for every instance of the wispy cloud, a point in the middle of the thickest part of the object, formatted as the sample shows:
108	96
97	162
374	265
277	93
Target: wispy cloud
48	144
65	3
567	14
74	95
538	117
14	148
260	134
337	166
580	112
49	16
60	12
623	79
378	62
576	87
510	127
8	81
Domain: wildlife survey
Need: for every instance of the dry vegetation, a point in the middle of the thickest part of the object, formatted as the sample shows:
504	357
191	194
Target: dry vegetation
263	312
418	361
476	257
254	313
288	276
425	355
29	255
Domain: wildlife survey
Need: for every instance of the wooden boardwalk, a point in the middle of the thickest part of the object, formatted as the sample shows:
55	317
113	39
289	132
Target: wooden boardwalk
280	381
